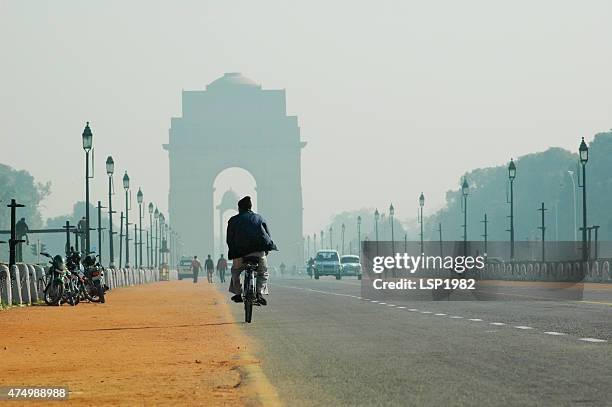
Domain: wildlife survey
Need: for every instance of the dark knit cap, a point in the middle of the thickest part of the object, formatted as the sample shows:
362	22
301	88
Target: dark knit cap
245	203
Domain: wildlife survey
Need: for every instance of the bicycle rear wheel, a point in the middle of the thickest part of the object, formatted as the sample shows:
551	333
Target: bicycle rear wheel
248	310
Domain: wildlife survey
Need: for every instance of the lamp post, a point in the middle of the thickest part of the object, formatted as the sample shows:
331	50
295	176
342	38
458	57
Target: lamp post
391	214
421	204
322	241
155	251
376	218
126	186
162	223
150	254
359	235
584	157
110	169
465	190
571	175
314	239
139	198
87	144
308	247
511	177
331	241
343	228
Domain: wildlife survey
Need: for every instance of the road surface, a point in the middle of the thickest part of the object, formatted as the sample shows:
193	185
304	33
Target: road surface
323	344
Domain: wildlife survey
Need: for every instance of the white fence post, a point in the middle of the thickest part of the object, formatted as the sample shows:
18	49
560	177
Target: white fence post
6	296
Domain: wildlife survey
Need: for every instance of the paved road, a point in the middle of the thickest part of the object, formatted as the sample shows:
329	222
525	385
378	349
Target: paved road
323	344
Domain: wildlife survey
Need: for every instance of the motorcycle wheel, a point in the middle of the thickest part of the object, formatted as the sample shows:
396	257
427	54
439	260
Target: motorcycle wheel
100	289
53	293
91	292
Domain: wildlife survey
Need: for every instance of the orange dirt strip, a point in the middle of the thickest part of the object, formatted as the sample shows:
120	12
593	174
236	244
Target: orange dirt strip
169	343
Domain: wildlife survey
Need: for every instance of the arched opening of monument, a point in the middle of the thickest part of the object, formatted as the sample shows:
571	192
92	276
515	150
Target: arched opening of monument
230	185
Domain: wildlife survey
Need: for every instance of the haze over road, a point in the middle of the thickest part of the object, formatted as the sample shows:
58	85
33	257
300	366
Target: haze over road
322	344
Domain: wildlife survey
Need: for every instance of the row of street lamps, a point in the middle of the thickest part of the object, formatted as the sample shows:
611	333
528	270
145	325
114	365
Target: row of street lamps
166	240
465	190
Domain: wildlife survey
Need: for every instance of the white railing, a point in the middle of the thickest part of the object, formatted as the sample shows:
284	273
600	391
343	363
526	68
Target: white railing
23	284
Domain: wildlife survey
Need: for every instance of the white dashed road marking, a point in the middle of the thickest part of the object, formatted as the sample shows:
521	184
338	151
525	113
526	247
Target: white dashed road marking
522	327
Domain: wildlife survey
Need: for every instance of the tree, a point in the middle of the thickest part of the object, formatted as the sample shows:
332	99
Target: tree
21	186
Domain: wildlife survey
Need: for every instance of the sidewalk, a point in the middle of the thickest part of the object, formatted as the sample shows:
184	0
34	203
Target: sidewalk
168	343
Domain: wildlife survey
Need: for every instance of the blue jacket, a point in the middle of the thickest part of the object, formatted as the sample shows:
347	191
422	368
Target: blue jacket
248	232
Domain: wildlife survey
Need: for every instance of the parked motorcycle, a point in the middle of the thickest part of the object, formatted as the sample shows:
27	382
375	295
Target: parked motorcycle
93	279
61	287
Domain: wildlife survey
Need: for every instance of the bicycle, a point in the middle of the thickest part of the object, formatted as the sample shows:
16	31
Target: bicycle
249	292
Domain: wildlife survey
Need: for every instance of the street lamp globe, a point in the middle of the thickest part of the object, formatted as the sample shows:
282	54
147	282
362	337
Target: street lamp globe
150	207
422	200
376	215
110	166
156	213
126	181
359	220
139	196
391	210
465	188
87	138
343	227
584	152
511	170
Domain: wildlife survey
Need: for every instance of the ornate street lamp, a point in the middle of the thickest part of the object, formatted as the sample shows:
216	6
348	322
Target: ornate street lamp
110	169
359	235
391	214
87	145
343	228
465	190
139	198
584	157
156	252
421	205
126	186
376	218
511	177
150	253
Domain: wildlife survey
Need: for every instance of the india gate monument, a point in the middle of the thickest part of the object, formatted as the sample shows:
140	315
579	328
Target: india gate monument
236	123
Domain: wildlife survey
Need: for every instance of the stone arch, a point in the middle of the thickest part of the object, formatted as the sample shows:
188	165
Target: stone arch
236	123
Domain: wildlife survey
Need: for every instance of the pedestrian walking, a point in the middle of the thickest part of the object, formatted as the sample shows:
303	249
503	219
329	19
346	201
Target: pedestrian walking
196	266
221	268
210	268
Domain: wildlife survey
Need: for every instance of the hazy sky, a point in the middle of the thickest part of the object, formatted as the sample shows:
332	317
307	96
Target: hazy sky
398	97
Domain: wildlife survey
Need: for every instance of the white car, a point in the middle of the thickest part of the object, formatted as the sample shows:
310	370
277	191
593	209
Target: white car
351	266
327	263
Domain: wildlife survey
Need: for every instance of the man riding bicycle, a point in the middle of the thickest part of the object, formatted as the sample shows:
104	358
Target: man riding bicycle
248	236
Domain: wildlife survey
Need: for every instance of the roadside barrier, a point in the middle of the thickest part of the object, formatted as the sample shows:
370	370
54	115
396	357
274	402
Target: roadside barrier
23	284
594	271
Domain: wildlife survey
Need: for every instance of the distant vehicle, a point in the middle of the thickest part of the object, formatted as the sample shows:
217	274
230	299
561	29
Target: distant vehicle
351	266
327	263
184	267
494	260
